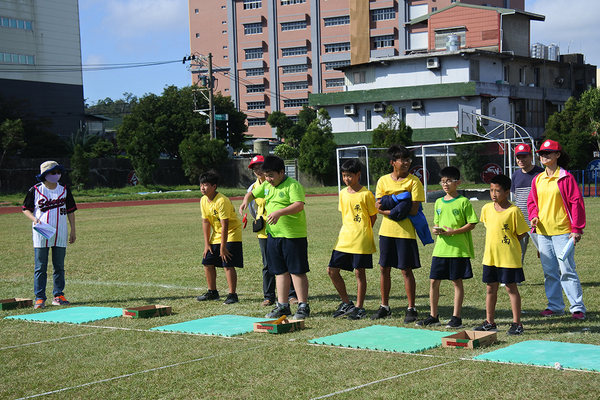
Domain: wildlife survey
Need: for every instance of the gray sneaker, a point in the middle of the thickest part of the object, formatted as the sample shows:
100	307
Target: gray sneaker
303	311
343	309
279	311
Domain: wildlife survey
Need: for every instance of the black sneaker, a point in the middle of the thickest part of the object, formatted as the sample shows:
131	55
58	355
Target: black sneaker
279	311
486	326
343	309
515	329
357	313
231	298
410	316
382	313
455	323
210	295
429	321
303	311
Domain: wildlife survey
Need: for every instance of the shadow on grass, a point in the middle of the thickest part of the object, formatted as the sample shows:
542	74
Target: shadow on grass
144	300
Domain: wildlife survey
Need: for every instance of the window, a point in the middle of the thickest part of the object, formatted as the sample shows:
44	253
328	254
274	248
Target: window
333	83
418	40
224	47
505	74
196	11
383	14
330	66
292	103
383	41
290	2
223	22
294	51
224	32
293	26
536	77
255	88
294	69
334	21
441	36
255	105
251	4
521	76
337	47
253	54
16	23
402	114
253	29
301	85
257	121
433	9
368	122
417	11
255	72
197	35
474	70
359	77
17	58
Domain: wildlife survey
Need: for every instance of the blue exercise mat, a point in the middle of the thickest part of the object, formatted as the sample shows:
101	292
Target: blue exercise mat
72	315
546	353
220	325
386	338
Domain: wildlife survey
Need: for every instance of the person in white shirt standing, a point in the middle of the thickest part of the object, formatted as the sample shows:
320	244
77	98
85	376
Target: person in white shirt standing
50	203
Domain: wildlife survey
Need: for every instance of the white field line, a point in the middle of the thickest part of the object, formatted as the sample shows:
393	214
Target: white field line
138	373
46	341
383	380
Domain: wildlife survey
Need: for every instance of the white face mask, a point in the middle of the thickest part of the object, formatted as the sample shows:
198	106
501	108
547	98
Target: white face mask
53	178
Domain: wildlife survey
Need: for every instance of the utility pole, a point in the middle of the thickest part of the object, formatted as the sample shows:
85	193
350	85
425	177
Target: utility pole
211	105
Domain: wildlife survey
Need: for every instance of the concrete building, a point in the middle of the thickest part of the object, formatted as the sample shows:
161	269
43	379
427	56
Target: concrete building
269	55
40	60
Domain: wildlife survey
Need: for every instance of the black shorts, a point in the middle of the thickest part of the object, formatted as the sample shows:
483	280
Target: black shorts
451	268
398	253
493	274
237	259
350	261
287	255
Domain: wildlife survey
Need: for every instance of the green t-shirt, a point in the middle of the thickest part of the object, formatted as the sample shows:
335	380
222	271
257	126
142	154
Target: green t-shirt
454	214
287	192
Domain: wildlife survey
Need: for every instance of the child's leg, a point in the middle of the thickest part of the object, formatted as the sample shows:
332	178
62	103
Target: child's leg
434	296
211	276
338	283
385	283
409	286
491	298
361	283
58	278
231	275
515	301
301	285
459	295
39	275
283	287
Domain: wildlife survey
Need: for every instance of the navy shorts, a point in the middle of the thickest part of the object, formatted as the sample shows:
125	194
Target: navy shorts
350	261
235	248
493	274
451	268
287	255
398	253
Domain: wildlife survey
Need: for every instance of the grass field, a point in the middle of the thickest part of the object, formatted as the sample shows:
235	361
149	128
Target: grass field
134	256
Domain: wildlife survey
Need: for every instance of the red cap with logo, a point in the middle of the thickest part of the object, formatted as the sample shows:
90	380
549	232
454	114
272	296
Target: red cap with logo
522	149
550	145
256	160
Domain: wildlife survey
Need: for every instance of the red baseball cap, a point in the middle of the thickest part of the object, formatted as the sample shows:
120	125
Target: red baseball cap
522	149
256	160
550	145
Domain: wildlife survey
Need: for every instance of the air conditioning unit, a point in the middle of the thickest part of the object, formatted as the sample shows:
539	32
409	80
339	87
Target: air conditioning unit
433	63
416	105
349	110
378	107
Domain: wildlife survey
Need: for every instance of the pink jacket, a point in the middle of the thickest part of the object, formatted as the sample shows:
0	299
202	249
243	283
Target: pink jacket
571	197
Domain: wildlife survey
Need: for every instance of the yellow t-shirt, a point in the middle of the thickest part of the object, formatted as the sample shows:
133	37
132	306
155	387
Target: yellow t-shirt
502	249
260	211
551	210
356	235
386	186
216	210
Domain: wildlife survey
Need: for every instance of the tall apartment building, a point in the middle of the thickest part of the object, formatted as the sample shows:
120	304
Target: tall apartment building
268	55
40	60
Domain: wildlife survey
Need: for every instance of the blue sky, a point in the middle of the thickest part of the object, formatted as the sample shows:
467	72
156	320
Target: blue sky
152	31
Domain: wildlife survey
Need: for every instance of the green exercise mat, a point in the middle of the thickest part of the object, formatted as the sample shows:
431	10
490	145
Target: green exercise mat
220	325
72	315
386	338
546	353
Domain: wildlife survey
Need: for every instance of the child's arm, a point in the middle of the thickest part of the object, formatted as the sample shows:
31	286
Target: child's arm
225	254
72	236
415	208
519	237
247	199
373	220
206	230
450	232
293	208
30	215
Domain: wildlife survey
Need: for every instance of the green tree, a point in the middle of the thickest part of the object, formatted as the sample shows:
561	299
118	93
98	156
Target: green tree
576	127
236	137
392	131
289	131
142	147
81	167
286	152
317	148
110	108
11	135
470	158
199	153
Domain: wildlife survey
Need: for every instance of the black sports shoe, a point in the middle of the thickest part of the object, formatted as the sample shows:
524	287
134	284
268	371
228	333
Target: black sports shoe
429	321
515	329
303	311
210	295
410	316
486	326
231	298
343	309
357	313
455	323
279	311
382	313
